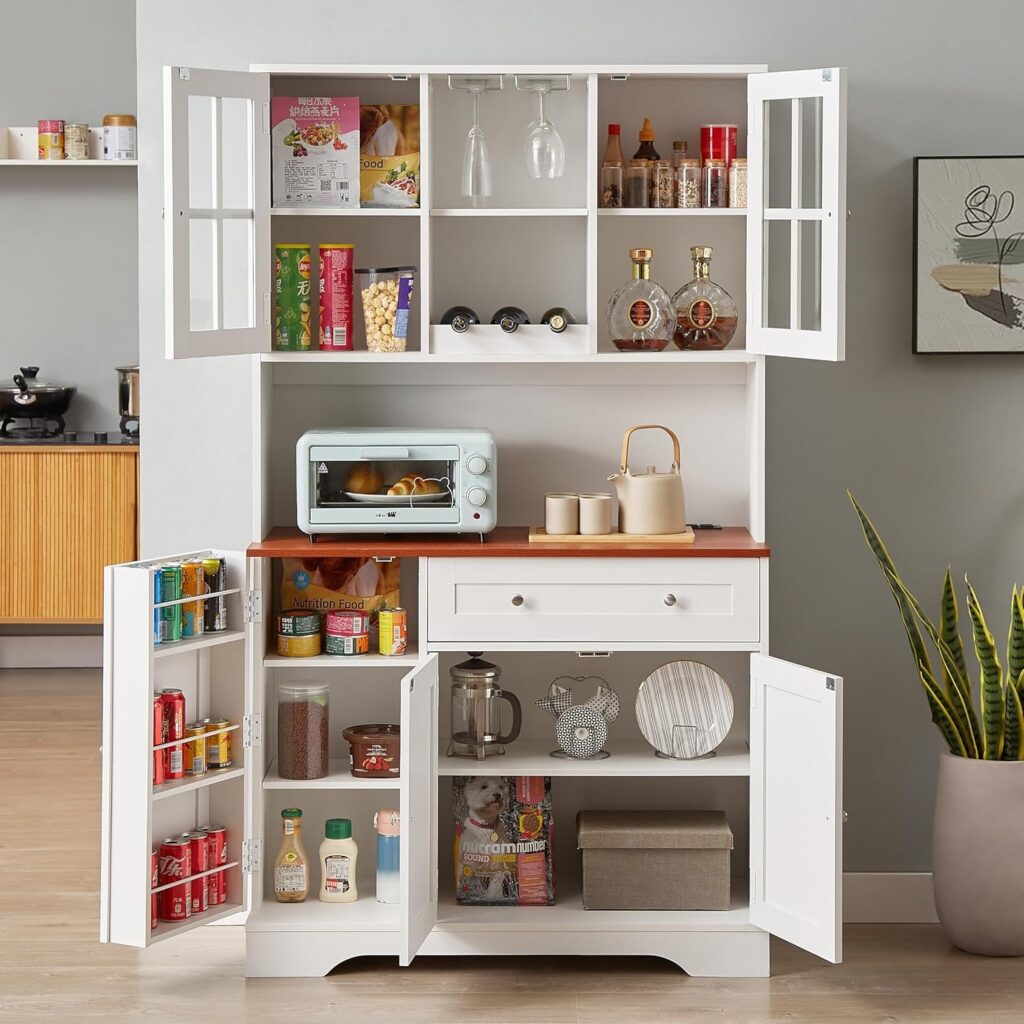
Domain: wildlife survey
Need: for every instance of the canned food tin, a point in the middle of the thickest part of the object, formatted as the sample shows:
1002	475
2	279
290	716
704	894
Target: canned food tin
217	853
299	622
215	609
173	729
154	898
175	866
298	646
76	142
170	590
194	761
193	584
348	645
159	777
50	135
292	323
347	623
218	747
119	137
199	854
336	262
394	631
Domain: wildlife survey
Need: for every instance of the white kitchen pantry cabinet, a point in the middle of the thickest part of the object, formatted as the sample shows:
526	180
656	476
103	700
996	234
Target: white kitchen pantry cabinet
539	615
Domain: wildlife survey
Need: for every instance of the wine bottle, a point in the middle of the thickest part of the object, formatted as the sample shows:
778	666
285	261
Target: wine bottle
460	318
557	318
508	318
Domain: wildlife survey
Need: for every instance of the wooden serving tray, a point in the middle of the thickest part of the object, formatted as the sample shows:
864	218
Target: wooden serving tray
538	535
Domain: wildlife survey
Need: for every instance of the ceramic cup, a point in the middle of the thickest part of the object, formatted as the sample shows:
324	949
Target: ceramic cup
561	514
595	514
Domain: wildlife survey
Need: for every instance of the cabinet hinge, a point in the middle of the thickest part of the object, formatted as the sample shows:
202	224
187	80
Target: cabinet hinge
266	118
254	606
252	731
753	885
830	683
252	855
433	895
826	74
184	74
266	307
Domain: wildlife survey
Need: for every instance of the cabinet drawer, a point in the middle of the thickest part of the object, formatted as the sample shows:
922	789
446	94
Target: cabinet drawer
593	602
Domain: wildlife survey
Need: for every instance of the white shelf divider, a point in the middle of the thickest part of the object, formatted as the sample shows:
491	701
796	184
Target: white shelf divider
228	636
339	777
531	211
190	784
337	661
327	211
365	915
673	211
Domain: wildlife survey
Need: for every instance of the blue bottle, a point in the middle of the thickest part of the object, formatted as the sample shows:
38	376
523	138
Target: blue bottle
387	826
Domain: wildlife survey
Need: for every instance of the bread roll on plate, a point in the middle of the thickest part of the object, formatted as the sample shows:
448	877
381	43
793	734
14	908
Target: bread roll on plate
364	478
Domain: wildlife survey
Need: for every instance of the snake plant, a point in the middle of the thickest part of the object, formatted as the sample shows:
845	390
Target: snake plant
994	731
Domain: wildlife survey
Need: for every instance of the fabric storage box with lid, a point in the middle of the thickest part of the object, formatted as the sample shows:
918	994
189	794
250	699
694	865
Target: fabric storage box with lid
655	860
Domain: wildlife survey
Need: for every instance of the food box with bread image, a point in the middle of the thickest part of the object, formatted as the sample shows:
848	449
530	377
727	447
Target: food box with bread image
389	155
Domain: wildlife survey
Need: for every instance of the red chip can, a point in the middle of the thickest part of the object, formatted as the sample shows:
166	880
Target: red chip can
153	897
336	262
175	865
199	852
159	776
174	729
394	631
718	142
217	853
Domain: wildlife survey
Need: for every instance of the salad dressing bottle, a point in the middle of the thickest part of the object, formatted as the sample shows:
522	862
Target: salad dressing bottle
291	868
338	854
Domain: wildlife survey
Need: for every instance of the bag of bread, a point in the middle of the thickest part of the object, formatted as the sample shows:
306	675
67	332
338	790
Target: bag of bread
338	583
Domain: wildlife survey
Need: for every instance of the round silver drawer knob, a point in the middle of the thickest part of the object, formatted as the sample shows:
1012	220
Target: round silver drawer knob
518	601
670	599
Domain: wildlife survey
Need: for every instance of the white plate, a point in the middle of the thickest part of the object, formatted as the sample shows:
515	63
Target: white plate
684	709
397	499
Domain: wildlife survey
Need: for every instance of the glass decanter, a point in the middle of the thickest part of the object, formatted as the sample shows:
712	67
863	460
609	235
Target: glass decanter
706	315
640	315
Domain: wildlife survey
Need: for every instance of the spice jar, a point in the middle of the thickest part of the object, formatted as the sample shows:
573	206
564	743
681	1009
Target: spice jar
302	730
713	192
688	183
638	185
661	184
738	183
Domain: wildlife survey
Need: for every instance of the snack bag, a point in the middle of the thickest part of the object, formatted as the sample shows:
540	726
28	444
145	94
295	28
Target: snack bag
389	157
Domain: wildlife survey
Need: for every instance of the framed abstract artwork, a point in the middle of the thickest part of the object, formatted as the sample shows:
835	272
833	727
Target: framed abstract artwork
969	254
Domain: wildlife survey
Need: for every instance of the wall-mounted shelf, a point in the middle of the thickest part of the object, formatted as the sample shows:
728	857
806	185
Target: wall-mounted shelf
19	148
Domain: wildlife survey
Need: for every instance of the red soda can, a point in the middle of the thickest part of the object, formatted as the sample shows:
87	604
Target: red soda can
159	776
718	142
217	841
175	864
174	729
153	897
200	856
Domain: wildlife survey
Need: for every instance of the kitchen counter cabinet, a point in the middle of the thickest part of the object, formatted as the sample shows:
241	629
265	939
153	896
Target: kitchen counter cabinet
67	511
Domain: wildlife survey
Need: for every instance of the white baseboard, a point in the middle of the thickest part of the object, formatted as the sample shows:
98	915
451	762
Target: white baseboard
51	651
888	897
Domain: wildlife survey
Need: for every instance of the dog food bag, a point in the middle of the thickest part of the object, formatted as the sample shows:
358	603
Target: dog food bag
389	155
314	145
352	584
504	840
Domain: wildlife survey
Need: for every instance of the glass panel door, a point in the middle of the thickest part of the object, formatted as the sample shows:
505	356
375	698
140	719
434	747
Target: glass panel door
217	212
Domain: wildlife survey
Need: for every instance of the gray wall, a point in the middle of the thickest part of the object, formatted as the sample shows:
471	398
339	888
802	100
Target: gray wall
68	262
927	444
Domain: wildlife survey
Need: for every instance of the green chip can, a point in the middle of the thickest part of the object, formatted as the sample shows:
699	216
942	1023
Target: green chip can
292	305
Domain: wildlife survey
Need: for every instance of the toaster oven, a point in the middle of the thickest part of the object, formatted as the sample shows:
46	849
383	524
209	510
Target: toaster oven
396	481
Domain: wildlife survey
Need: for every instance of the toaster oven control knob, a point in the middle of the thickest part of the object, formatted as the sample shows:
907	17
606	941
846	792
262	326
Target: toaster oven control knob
476	496
476	465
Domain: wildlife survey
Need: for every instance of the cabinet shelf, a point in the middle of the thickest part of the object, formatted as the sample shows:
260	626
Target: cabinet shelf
327	211
628	758
188	785
336	661
736	355
339	777
228	636
530	211
365	915
69	163
674	211
165	929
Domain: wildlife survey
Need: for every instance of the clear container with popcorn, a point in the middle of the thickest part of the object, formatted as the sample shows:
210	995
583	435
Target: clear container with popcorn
387	295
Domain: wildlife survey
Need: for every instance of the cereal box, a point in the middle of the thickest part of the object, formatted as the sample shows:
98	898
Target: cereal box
314	141
389	155
504	840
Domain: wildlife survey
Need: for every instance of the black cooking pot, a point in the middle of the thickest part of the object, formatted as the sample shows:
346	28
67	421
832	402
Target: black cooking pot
31	397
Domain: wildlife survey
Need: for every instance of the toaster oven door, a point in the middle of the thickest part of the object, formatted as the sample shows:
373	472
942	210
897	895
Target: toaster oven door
385	485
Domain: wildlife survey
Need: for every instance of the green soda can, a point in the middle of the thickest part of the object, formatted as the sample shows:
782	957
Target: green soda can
292	308
169	590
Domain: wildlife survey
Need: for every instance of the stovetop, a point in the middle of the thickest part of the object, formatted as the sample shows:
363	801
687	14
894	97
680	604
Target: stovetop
78	438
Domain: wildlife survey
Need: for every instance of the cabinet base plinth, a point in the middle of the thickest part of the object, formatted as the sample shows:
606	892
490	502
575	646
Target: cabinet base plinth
289	954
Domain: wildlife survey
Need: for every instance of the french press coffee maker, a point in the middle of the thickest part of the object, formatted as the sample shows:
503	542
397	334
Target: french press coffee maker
476	710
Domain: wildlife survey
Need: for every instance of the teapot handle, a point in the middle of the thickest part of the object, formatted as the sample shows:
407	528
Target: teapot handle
648	426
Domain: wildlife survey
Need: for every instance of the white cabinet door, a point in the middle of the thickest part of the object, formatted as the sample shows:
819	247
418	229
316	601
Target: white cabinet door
216	212
137	811
796	787
418	852
796	218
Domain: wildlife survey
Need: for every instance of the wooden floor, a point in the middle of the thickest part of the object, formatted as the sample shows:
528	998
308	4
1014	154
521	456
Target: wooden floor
52	968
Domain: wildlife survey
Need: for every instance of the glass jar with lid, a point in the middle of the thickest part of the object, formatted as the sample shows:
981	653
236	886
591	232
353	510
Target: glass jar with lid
738	183
715	184
661	184
638	184
688	183
302	730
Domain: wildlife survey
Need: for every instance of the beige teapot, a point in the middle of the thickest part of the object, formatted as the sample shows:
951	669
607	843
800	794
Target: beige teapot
650	502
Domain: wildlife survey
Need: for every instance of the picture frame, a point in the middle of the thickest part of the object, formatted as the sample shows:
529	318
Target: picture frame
968	273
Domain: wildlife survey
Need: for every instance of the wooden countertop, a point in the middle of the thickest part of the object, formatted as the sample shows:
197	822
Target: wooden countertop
7	449
504	542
